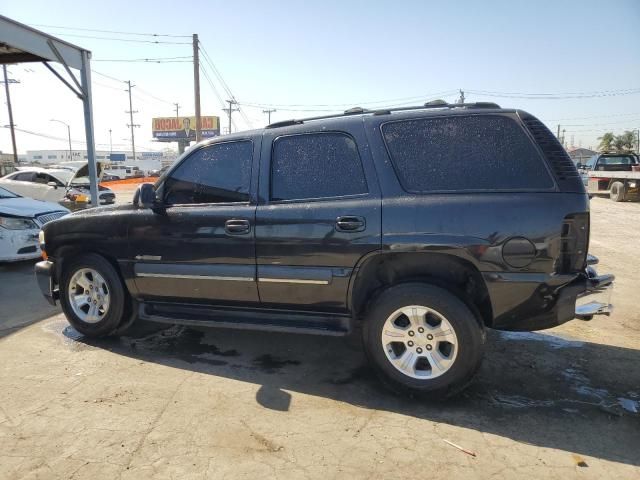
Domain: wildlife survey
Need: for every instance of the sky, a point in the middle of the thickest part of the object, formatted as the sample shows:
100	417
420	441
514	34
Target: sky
313	58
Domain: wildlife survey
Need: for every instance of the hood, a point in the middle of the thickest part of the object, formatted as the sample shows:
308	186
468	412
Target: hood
83	173
27	207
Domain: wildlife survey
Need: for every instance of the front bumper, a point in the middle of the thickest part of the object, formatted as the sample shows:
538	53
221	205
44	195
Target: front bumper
17	245
45	274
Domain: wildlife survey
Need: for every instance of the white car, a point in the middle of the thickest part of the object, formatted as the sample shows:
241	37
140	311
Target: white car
54	185
20	222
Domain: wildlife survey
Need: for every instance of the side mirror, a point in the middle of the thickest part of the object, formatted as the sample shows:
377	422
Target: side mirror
52	184
145	196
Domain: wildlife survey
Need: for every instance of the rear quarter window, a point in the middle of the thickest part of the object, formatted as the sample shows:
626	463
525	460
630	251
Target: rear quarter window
475	152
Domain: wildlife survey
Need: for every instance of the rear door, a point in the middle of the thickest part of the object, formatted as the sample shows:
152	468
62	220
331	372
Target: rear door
319	213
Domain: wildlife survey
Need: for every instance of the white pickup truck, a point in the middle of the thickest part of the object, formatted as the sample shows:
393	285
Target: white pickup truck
614	174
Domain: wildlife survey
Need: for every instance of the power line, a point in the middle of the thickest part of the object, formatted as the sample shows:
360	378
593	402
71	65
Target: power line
556	96
226	87
113	39
112	31
215	91
411	99
145	60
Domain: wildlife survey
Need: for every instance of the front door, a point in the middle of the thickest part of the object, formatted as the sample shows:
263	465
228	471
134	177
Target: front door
201	246
319	215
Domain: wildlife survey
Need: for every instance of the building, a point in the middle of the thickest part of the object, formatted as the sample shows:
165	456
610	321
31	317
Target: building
580	155
144	160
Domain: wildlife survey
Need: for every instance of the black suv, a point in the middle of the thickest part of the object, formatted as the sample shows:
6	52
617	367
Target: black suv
420	226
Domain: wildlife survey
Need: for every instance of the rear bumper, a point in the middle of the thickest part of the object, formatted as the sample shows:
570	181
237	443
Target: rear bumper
535	302
596	299
45	277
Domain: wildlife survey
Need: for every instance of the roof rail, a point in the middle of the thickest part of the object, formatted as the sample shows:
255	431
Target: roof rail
385	111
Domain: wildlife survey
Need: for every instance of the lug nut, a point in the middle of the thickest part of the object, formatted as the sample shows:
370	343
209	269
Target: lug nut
419	350
410	343
429	347
421	330
411	333
429	337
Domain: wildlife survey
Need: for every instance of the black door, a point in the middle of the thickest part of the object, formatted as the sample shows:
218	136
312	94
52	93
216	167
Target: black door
319	214
202	247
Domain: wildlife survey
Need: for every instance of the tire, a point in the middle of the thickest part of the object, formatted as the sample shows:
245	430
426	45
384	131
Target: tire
89	318
434	310
617	193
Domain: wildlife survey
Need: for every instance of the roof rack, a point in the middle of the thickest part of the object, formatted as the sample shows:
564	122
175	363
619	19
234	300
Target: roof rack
386	111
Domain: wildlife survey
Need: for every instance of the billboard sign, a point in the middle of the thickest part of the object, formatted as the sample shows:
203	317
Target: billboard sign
171	129
117	157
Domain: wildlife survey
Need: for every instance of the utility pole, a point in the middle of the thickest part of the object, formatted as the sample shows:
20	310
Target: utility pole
177	110
132	125
563	135
269	112
196	85
68	133
110	145
461	99
230	110
11	125
558	134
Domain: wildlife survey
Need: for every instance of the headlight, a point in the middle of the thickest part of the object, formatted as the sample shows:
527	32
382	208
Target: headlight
12	223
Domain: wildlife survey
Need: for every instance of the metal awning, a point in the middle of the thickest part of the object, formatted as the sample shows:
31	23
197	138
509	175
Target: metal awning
20	43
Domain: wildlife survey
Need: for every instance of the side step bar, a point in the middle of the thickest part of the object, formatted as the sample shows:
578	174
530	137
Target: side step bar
245	318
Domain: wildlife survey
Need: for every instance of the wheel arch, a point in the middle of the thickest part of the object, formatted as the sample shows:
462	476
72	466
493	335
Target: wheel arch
380	271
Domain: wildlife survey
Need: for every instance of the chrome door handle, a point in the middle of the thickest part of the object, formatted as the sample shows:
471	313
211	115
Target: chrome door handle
237	226
350	223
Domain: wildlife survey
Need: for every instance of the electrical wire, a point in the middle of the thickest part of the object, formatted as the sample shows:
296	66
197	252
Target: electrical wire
215	90
147	60
555	96
126	39
112	31
403	100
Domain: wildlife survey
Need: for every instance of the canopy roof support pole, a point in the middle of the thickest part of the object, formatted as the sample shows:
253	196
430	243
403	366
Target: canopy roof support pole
85	76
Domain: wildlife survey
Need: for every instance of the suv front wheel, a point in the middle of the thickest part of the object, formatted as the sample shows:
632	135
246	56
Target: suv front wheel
423	340
92	295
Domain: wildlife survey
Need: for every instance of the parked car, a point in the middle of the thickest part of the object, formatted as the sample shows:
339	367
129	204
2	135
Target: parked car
20	222
55	185
420	226
612	174
123	171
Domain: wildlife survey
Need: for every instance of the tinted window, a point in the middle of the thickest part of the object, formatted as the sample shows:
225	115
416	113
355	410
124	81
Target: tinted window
316	165
214	174
464	153
23	177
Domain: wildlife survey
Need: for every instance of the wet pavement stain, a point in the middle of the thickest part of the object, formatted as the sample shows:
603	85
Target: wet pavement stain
270	364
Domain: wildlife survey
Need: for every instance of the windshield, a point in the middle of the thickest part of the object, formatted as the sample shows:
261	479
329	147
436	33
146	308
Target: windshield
617	160
63	175
4	193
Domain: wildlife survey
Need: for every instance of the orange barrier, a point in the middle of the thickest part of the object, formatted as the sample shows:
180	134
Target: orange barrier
128	182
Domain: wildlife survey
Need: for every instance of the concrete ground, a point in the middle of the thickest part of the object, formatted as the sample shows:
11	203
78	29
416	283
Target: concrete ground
185	403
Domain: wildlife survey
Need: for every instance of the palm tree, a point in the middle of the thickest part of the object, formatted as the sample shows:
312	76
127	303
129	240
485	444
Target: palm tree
606	142
626	141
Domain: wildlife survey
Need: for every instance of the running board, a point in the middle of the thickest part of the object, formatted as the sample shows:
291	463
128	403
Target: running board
245	318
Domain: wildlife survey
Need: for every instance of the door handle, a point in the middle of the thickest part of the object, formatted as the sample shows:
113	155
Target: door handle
350	223
237	226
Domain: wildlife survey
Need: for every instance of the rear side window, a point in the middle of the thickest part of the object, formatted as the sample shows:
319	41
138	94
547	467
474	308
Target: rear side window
316	165
476	152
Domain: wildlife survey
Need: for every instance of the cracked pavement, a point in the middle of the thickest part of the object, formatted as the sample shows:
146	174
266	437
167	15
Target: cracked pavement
173	402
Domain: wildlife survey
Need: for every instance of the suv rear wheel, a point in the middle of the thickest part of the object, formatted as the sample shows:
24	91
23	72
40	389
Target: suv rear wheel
423	340
92	295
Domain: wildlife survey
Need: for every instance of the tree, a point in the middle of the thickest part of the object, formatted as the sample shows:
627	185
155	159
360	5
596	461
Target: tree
606	142
625	142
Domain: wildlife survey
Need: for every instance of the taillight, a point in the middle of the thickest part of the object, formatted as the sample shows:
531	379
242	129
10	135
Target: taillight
574	243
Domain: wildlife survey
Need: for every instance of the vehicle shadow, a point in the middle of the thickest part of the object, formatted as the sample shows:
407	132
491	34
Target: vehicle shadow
21	303
536	388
